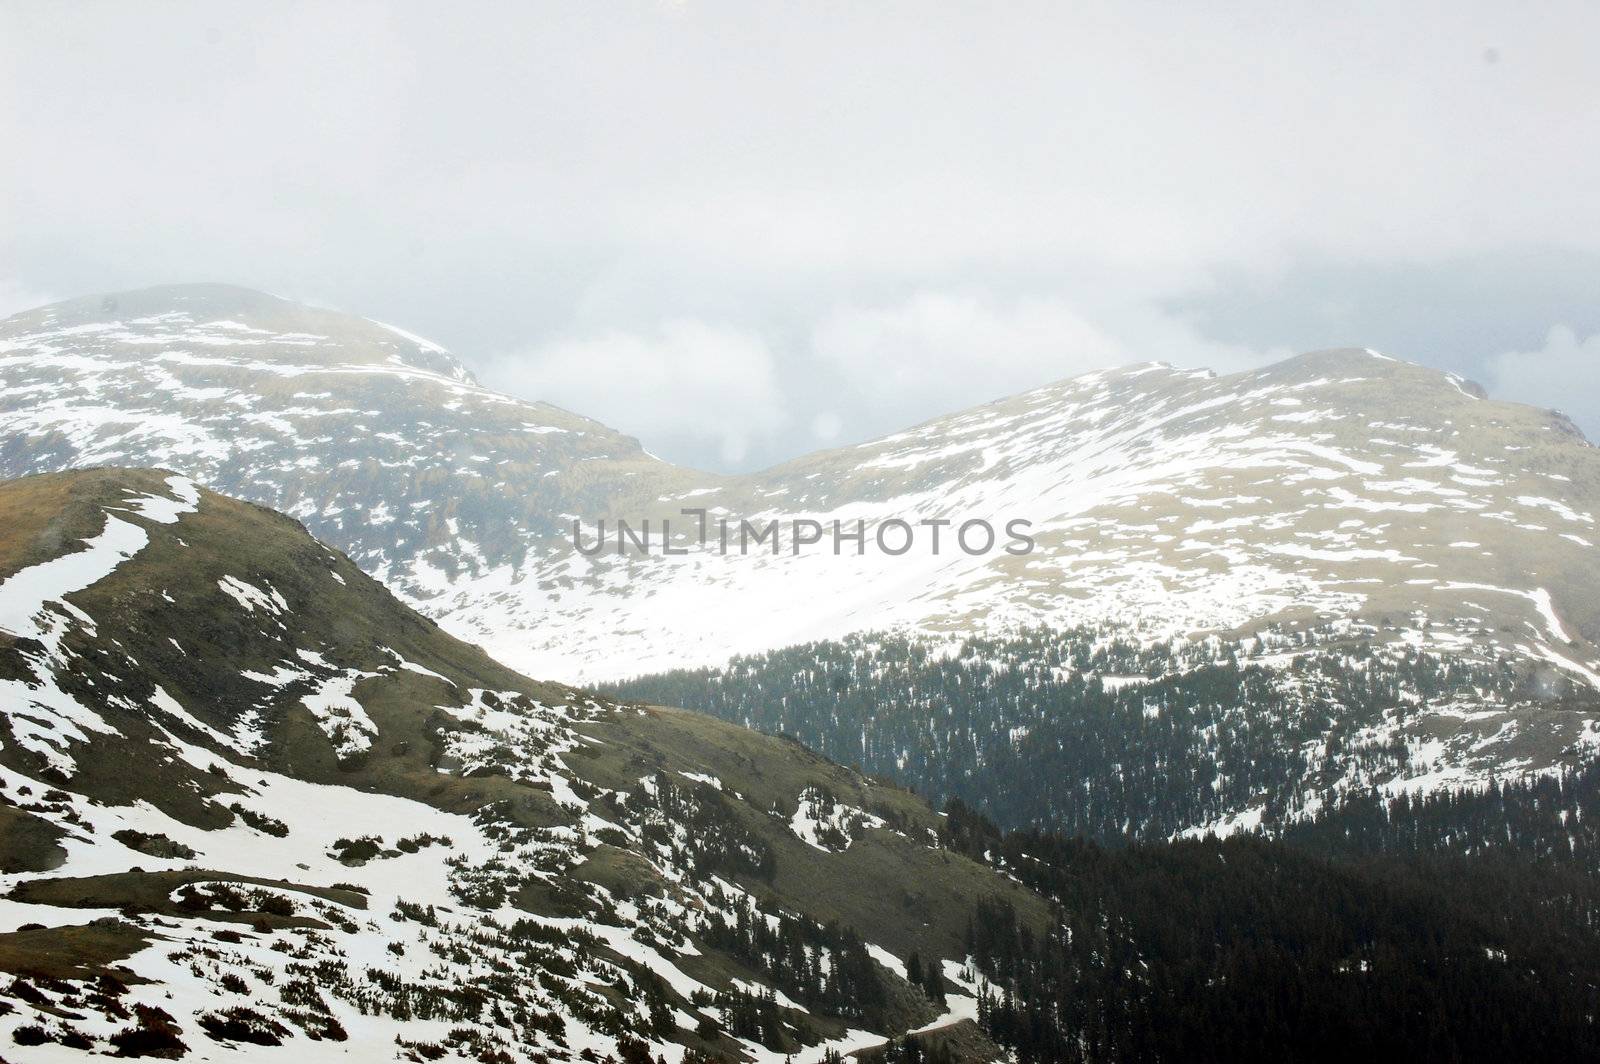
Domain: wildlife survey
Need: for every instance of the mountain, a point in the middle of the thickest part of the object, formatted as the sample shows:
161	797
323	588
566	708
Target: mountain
381	441
248	797
1336	503
1334	485
252	805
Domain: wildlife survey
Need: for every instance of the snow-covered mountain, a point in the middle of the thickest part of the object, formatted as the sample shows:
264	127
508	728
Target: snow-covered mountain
249	800
253	807
1334	485
1342	493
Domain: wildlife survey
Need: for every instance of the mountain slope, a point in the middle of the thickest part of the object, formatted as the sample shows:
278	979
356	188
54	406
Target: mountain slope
1339	484
250	798
382	441
251	805
1086	731
1333	500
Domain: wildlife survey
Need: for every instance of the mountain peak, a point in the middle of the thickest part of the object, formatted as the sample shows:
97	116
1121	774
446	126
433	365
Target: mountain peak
1364	363
219	316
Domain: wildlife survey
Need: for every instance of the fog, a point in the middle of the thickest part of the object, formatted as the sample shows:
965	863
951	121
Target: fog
743	231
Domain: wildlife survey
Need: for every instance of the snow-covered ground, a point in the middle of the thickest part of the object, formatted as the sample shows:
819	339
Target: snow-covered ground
1329	485
426	909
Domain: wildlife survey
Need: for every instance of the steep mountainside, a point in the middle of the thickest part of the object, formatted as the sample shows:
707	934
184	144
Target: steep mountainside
248	798
1341	496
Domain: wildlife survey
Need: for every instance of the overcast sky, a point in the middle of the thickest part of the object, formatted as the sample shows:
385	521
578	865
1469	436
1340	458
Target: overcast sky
742	231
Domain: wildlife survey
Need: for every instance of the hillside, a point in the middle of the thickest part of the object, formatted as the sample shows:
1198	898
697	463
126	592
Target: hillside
1335	485
1332	507
251	804
249	798
1121	739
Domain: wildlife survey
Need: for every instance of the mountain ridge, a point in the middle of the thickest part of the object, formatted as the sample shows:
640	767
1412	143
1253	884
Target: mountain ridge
225	749
1335	492
224	298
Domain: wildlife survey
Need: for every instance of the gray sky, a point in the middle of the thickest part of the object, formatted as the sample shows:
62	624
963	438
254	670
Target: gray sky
742	231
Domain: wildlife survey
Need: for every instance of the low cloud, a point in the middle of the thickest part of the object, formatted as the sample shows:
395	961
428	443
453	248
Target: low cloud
939	352
932	351
1562	375
16	297
684	385
711	393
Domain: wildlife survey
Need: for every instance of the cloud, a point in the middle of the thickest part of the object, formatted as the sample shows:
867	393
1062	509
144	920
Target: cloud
16	297
904	138
934	342
1562	375
828	185
716	393
826	427
938	352
685	383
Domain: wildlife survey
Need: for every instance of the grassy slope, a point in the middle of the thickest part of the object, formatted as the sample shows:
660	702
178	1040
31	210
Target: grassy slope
162	621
